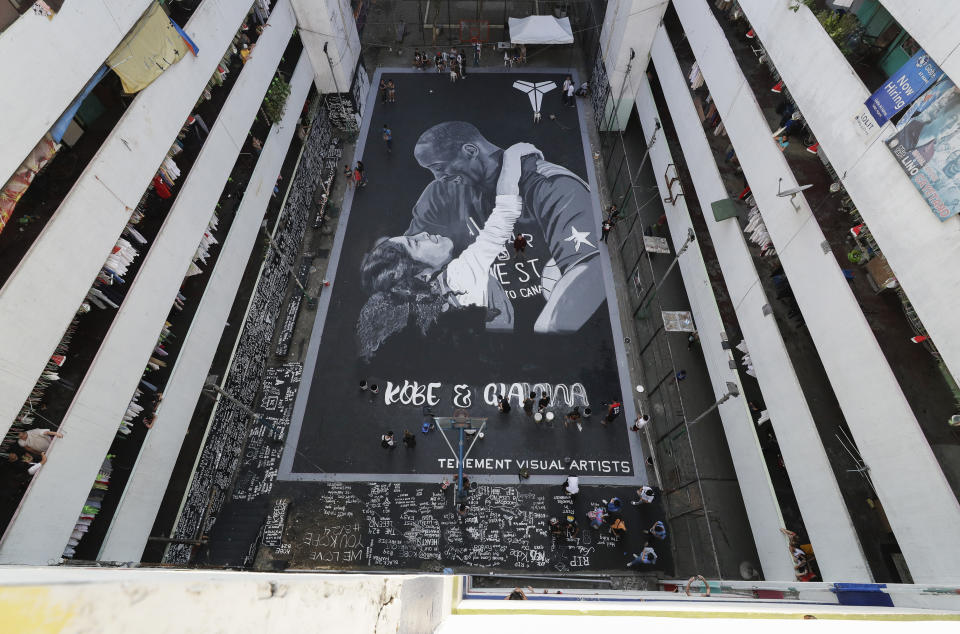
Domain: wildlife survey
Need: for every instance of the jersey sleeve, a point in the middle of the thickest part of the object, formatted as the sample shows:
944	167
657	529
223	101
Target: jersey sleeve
564	210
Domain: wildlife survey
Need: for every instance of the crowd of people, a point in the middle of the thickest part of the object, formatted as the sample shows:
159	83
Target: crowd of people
453	61
609	515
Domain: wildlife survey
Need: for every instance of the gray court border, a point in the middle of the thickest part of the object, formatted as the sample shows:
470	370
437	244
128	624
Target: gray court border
285	472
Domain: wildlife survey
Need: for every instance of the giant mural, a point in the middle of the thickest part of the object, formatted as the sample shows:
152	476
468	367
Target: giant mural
469	276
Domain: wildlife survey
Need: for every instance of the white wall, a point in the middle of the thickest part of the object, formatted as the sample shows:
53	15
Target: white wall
330	22
143	494
923	252
45	63
66	257
628	24
904	471
818	496
43	522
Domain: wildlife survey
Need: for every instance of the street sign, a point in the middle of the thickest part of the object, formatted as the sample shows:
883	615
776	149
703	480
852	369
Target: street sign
655	244
678	321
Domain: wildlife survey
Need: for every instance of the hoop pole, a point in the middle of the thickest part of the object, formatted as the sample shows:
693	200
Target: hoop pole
460	467
440	429
476	437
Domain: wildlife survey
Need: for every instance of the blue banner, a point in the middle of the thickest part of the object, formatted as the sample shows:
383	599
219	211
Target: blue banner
905	85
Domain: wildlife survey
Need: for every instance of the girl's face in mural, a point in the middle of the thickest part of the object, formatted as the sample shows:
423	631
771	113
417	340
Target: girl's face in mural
428	248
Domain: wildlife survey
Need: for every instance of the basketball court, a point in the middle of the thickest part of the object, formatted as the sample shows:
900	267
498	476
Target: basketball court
398	355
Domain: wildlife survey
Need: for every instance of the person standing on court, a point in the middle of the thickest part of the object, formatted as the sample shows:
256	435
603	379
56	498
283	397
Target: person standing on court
543	403
528	404
520	245
503	404
388	138
605	229
391	92
612	412
383	91
476	54
409	439
387	441
571	101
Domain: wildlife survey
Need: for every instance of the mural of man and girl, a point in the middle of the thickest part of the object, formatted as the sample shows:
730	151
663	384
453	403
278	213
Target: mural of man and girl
452	255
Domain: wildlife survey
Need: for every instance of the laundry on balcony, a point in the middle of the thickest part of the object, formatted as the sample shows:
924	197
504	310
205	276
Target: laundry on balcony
151	47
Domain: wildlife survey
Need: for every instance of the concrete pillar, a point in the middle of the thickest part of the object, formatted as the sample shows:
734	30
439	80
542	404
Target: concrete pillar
329	34
625	41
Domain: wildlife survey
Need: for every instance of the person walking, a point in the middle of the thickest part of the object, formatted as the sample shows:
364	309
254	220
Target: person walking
641	422
387	441
571	486
692	339
357	175
383	91
612	412
573	416
571	101
348	175
476	53
520	245
681	375
388	138
644	496
462	61
363	173
566	84
647	556
391	92
658	530
613	213
409	439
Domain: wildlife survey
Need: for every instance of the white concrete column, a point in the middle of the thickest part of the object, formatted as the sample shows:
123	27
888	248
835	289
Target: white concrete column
329	34
144	492
818	496
46	515
45	63
628	30
753	478
917	499
53	278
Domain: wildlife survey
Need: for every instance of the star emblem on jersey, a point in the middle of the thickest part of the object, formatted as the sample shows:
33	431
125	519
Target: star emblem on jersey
535	91
578	238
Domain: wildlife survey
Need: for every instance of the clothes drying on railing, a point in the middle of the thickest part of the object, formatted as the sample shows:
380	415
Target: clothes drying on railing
758	231
91	508
695	77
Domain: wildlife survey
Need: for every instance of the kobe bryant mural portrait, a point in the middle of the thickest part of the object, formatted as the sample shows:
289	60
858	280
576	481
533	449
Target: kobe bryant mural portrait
467	275
501	242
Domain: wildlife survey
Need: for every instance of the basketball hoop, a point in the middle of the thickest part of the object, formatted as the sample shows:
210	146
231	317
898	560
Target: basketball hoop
475	31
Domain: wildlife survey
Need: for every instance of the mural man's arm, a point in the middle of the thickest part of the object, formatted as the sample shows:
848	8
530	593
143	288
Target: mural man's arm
574	299
565	211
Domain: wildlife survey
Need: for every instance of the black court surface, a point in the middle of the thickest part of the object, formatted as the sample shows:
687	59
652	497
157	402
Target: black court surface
422	305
